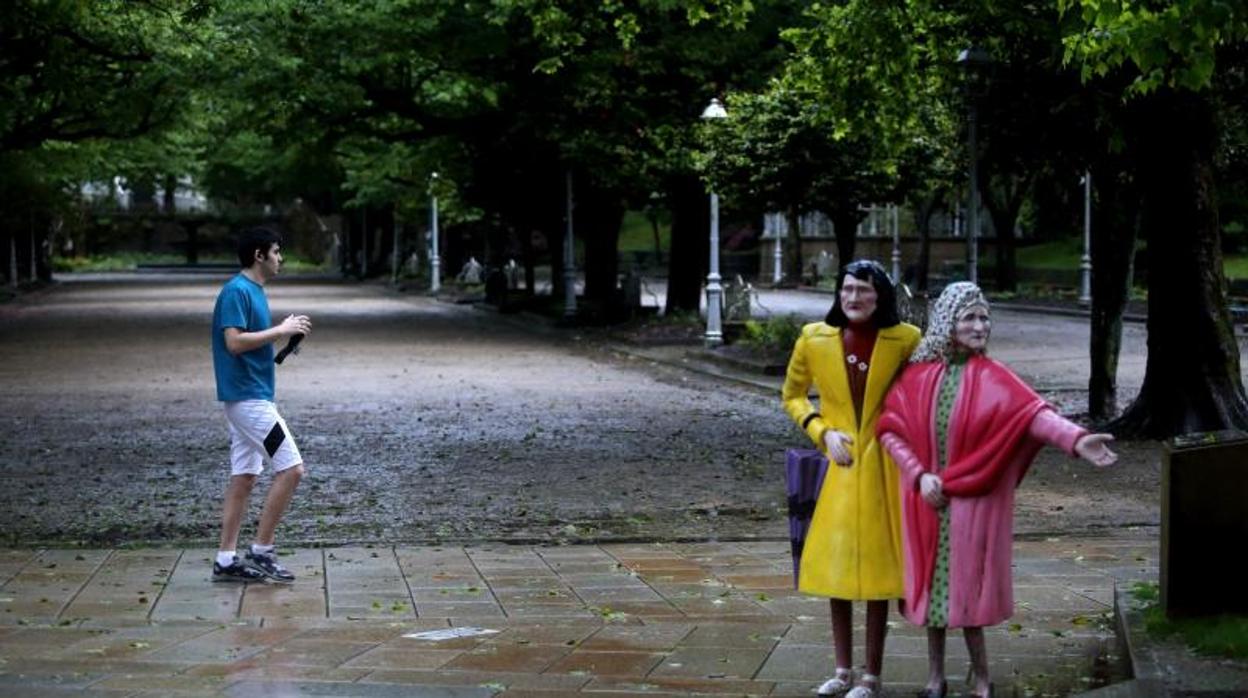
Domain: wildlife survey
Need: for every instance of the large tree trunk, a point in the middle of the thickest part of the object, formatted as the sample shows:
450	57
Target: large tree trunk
687	260
600	214
1003	203
1192	379
793	220
1115	223
169	201
923	221
845	225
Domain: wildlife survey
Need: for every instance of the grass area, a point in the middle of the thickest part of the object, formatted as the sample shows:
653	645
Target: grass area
129	261
1065	254
637	234
1058	254
1235	267
1217	636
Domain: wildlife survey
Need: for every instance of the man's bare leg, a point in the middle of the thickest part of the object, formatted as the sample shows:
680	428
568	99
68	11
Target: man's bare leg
237	495
275	503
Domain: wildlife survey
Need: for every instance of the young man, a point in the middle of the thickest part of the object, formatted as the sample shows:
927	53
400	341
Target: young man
243	335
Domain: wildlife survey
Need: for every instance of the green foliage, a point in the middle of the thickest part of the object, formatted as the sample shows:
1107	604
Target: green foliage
130	261
1217	636
775	334
781	150
1172	44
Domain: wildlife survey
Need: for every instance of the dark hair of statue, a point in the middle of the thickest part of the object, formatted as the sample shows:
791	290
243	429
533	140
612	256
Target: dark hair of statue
885	314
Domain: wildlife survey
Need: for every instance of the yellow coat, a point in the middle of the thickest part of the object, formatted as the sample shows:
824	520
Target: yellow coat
853	549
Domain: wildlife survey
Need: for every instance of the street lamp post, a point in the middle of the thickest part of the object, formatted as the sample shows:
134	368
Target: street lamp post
896	223
569	258
1085	262
777	258
714	291
435	262
973	59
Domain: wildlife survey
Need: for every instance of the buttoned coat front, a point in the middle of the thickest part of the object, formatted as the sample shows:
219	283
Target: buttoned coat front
853	549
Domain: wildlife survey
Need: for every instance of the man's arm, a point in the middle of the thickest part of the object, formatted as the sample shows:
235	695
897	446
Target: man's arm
239	342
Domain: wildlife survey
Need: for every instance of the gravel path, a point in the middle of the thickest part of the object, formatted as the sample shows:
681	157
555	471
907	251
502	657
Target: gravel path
419	420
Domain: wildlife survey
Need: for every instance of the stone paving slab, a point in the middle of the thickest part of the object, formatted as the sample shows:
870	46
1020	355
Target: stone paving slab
626	619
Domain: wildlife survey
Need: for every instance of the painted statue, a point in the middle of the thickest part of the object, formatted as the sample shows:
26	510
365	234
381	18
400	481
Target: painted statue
963	430
853	549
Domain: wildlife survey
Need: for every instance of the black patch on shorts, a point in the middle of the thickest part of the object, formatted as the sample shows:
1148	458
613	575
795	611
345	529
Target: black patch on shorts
275	438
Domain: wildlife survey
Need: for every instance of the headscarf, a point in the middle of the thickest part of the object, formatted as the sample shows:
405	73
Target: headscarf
937	342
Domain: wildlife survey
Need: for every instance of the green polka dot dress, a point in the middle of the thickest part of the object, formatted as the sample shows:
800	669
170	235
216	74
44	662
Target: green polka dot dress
938	601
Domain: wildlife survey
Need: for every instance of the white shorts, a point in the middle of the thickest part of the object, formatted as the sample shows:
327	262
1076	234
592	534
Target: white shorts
258	434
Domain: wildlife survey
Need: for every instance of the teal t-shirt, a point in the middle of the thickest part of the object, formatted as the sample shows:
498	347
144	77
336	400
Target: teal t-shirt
250	375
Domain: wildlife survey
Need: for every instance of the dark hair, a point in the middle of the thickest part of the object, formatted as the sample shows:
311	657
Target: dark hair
885	314
253	239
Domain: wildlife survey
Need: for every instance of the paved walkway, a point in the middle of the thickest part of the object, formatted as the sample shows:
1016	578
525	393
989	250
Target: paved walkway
648	619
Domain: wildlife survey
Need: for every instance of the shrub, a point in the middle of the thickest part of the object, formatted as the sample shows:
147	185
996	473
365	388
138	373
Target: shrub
775	334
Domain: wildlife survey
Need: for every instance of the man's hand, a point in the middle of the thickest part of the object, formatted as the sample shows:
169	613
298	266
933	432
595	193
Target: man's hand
1094	449
931	489
838	443
295	324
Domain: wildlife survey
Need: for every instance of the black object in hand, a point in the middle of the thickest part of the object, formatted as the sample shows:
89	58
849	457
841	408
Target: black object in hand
292	347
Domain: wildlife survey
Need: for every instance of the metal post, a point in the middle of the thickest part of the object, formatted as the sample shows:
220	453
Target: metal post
777	272
714	291
435	261
569	258
972	213
364	244
395	262
896	246
34	274
1085	262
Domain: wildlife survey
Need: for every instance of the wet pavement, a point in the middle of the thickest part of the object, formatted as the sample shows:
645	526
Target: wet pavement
432	428
633	619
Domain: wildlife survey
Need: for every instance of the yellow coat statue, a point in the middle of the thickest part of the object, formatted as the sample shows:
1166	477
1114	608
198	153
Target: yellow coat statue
853	548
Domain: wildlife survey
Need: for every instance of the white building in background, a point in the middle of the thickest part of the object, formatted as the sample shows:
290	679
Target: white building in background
186	198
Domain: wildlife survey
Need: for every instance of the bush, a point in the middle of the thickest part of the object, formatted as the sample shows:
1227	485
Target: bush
775	334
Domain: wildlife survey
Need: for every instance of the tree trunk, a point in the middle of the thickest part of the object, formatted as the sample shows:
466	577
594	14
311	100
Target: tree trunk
845	225
687	259
653	217
599	215
923	221
1115	222
793	219
1192	378
1003	203
169	203
530	263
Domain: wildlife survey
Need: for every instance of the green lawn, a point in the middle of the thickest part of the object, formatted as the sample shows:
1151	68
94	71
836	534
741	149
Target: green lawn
637	235
129	261
1065	254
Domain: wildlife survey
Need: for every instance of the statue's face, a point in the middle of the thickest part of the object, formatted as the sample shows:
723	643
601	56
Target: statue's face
972	329
858	298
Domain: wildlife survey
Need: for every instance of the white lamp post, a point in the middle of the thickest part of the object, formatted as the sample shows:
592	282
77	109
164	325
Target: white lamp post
896	223
714	291
777	271
435	262
1085	262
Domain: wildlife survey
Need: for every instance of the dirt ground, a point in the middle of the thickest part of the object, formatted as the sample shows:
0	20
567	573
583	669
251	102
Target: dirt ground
420	421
